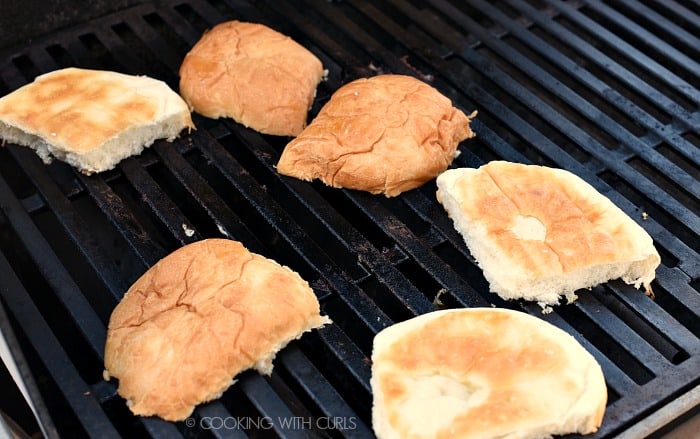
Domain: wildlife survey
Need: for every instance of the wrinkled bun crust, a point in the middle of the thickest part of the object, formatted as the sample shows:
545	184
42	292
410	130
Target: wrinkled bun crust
386	134
91	119
196	319
483	373
252	74
539	233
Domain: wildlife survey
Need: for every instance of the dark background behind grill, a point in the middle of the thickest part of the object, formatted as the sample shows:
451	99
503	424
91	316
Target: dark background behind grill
605	90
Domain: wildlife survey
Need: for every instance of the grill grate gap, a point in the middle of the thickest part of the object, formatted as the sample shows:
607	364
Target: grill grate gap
166	31
558	104
591	97
640	44
60	55
616	84
607	345
189	14
19	182
302	215
73	260
662	180
674	156
97	52
668	221
666	300
667	348
146	218
648	23
64	419
148	64
26	67
51	308
612	53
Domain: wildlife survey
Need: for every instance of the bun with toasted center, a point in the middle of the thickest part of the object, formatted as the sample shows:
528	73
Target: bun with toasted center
196	319
252	74
386	134
539	233
483	373
91	119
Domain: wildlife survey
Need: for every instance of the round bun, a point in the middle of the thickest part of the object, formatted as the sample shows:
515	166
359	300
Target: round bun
386	134
483	373
252	74
196	319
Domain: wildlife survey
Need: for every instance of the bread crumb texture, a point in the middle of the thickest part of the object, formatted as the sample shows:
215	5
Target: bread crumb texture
540	232
196	319
385	134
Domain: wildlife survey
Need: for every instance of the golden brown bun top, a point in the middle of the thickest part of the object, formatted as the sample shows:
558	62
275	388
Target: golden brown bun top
483	373
253	74
197	318
571	225
385	134
79	109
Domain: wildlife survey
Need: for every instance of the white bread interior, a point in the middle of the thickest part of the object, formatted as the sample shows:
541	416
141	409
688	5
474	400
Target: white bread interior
483	373
198	318
539	233
91	119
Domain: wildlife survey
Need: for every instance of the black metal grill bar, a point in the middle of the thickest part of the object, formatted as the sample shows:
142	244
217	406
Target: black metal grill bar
668	26
352	242
71	221
324	396
88	412
625	49
51	268
585	108
651	42
581	139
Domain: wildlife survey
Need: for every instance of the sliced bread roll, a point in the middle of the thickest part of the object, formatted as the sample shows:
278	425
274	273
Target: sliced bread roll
539	233
196	319
483	373
386	134
91	119
253	74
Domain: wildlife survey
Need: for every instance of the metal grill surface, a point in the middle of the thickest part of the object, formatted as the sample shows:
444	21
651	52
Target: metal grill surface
607	90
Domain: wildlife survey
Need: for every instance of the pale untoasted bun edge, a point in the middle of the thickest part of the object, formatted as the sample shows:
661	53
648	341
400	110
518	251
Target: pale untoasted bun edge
106	156
584	417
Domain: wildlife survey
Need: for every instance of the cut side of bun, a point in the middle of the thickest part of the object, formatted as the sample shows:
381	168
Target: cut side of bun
539	233
198	318
386	134
255	75
483	373
91	119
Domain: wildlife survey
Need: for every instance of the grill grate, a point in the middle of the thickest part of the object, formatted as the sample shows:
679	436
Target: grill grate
605	90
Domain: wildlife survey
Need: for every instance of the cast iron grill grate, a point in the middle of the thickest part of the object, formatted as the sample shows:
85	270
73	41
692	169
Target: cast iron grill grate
605	90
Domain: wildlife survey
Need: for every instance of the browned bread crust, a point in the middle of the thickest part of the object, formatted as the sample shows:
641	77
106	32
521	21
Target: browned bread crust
539	232
483	373
196	319
252	74
386	134
91	119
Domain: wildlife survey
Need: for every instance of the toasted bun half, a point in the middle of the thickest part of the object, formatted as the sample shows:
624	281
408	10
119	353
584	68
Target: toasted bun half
539	233
483	373
196	319
252	74
91	119
386	134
